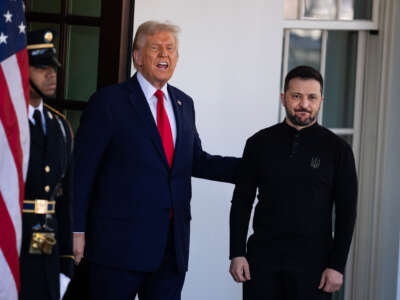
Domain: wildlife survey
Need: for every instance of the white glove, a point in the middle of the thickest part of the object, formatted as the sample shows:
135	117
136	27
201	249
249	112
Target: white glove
64	281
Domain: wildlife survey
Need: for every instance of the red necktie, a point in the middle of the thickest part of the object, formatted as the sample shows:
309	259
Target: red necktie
164	127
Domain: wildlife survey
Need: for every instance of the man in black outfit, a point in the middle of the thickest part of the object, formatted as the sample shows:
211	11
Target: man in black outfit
46	255
301	170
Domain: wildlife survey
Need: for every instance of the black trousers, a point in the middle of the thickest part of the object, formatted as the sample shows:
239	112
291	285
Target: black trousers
78	288
283	284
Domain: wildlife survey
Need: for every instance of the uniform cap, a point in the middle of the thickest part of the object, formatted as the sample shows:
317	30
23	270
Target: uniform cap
41	50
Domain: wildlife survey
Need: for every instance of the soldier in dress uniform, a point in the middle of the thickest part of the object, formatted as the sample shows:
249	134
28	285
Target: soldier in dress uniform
46	256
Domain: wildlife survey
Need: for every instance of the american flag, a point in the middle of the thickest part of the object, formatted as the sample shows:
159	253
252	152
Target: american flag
14	140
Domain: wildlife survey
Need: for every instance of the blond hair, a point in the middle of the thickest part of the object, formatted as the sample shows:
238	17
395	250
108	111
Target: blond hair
150	28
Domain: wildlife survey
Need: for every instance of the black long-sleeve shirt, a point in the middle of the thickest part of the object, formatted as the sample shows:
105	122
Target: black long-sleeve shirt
299	176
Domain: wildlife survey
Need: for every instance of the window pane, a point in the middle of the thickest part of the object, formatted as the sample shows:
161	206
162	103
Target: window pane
36	26
290	9
355	9
340	75
82	61
45	6
320	9
305	48
73	116
90	8
346	11
363	9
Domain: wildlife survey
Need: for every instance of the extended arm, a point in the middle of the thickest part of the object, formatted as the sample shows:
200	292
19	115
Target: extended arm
212	167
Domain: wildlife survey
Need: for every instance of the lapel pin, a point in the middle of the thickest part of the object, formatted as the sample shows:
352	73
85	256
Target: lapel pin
50	115
179	102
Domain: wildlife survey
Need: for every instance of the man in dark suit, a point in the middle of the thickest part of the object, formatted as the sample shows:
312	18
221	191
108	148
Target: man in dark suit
136	150
46	256
300	170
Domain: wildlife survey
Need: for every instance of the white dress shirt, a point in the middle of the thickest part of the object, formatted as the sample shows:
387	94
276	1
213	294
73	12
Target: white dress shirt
32	109
148	91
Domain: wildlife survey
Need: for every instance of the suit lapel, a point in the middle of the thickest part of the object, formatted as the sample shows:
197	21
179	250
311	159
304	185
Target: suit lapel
142	108
177	105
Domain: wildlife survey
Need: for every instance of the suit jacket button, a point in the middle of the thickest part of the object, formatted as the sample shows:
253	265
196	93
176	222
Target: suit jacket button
47	169
47	188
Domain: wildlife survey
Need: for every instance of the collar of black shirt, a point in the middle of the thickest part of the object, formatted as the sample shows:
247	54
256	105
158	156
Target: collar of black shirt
304	131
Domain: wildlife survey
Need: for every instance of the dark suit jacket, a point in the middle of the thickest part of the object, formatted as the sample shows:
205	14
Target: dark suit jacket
40	273
124	188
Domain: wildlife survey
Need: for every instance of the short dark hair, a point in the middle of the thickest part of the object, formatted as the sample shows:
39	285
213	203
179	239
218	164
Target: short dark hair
303	72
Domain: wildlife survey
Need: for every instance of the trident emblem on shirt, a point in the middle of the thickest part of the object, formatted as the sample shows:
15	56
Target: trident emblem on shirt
315	162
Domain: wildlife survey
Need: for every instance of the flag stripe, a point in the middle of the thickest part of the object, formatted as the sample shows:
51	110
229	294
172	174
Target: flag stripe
14	141
23	62
12	183
17	92
8	244
8	289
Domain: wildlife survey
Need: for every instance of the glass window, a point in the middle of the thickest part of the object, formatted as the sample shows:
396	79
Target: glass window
346	10
355	9
340	76
320	9
82	62
363	9
91	8
305	48
329	9
45	6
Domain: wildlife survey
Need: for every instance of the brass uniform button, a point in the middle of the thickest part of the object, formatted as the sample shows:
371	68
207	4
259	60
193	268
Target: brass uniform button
47	169
47	188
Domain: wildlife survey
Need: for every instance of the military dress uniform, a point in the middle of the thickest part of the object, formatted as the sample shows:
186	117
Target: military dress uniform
48	180
47	235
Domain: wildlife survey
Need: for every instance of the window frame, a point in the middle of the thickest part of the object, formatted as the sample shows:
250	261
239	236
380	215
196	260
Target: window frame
353	25
114	61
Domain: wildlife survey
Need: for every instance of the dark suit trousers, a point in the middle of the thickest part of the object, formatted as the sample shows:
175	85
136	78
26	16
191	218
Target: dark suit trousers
283	284
164	284
78	288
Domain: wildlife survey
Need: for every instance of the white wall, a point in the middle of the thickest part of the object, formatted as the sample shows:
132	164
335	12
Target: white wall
230	63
